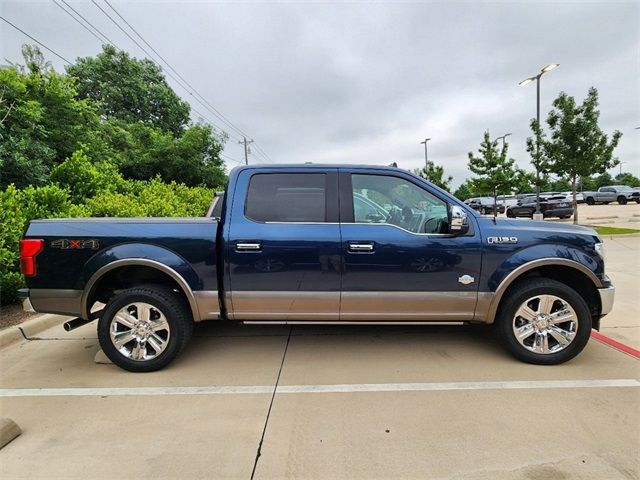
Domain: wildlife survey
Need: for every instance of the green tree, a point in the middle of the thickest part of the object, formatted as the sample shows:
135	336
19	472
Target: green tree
130	89
535	148
466	190
577	146
496	172
627	178
435	175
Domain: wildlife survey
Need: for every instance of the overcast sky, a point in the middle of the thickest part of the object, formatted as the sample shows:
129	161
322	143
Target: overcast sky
363	82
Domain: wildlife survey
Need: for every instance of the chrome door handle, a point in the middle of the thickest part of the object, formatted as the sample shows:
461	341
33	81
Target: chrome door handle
248	246
361	247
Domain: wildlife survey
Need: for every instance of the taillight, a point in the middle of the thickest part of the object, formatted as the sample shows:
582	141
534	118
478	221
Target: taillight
28	250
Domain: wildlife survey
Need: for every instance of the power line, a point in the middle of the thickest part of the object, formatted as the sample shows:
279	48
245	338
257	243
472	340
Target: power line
153	60
211	108
215	111
37	41
102	38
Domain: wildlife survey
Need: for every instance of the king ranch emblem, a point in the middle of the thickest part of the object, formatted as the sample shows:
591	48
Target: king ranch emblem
68	244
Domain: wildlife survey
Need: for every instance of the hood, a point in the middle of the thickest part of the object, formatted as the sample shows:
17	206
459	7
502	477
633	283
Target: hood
538	227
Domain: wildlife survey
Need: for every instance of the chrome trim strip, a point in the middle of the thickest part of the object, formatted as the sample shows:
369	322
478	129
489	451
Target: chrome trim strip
607	296
514	274
285	305
56	300
270	322
144	262
248	247
411	306
452	235
208	304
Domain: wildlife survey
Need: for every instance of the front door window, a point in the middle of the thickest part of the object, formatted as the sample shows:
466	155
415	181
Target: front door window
384	199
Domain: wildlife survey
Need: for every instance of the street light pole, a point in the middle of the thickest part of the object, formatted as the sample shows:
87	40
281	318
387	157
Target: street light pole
426	158
524	82
503	138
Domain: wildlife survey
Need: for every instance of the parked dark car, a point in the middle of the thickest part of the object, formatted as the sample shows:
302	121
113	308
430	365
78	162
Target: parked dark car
557	206
484	205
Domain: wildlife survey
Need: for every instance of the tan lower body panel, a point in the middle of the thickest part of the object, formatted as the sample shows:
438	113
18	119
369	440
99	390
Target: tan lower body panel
262	305
352	306
408	306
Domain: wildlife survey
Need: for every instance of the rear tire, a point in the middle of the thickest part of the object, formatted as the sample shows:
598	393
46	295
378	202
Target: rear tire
533	311
144	328
590	201
622	200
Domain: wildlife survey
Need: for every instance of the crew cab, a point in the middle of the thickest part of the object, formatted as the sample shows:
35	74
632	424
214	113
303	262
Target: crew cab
319	244
615	193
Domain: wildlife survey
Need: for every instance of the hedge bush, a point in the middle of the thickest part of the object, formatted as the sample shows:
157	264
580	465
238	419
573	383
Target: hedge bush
83	189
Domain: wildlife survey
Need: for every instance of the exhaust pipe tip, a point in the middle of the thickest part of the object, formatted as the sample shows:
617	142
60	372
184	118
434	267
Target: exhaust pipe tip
75	323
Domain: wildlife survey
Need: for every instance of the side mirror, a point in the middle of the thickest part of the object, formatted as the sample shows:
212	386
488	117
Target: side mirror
458	221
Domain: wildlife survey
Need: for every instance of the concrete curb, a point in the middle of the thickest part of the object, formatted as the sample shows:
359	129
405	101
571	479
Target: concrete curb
29	329
8	431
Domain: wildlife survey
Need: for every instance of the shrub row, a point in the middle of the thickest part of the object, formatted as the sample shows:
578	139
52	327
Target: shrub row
84	189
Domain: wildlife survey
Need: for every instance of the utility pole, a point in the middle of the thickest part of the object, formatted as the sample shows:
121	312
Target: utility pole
246	143
426	159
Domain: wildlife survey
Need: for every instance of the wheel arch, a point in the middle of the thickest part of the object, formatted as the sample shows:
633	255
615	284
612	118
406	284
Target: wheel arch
108	271
570	272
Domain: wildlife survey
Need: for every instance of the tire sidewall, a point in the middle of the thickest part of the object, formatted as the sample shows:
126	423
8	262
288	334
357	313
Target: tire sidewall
169	310
524	292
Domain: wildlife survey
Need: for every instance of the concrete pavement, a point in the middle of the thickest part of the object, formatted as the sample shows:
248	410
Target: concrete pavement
483	432
623	267
408	402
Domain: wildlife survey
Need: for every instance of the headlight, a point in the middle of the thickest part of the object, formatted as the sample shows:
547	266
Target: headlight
599	248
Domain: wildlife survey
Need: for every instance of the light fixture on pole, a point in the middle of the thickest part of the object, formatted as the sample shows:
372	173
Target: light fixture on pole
524	82
426	158
503	138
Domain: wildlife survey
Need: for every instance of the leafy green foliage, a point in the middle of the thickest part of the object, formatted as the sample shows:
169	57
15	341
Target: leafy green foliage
626	178
111	139
495	172
130	90
577	146
435	174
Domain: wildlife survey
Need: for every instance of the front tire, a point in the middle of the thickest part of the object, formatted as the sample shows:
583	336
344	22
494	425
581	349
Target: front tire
622	200
544	322
142	329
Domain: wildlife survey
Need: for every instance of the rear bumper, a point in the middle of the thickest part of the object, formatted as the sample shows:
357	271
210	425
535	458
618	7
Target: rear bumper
559	212
46	300
606	299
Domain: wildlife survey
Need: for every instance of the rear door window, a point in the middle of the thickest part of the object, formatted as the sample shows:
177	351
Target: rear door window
287	197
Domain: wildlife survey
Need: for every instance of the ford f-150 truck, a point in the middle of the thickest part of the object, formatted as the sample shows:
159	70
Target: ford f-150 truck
616	193
319	244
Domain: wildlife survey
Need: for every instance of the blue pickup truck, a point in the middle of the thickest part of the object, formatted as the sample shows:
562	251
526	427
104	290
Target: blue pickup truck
319	244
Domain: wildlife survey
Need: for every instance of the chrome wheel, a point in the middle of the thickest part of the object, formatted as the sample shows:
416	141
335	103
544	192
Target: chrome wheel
545	324
139	331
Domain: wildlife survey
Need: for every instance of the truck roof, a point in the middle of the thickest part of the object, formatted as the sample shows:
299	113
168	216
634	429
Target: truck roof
318	165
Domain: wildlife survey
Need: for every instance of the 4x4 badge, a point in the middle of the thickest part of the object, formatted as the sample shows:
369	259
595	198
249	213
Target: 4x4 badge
466	279
67	244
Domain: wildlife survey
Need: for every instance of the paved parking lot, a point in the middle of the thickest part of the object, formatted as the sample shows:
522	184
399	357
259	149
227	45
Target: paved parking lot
330	402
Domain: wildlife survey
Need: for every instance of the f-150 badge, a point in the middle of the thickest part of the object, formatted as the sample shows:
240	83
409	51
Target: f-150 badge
67	244
502	239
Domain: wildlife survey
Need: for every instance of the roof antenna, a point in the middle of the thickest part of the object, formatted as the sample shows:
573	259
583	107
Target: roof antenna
394	164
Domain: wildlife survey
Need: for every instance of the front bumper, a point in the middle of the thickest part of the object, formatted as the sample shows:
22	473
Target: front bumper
607	295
